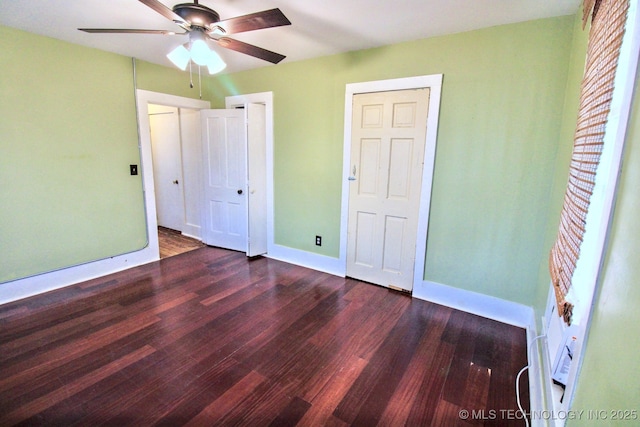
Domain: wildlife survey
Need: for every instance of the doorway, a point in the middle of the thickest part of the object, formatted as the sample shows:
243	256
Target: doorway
176	152
262	204
190	159
418	238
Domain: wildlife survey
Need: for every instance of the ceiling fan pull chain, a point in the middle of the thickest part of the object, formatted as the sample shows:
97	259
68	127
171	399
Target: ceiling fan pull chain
190	76
200	80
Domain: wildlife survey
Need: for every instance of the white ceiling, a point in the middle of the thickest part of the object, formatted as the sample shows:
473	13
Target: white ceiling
319	27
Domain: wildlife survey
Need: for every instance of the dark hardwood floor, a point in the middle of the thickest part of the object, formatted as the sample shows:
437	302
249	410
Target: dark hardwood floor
210	337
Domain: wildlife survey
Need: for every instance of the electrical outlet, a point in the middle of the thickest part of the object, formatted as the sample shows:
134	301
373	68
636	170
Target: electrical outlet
318	240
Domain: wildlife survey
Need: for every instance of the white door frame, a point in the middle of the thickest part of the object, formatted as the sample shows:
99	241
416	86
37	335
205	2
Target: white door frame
143	99
434	83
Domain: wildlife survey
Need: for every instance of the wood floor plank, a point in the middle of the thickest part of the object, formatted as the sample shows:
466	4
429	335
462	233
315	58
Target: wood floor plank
429	395
259	407
210	337
46	382
220	407
25	343
380	395
447	415
461	331
399	406
371	320
387	363
186	392
43	362
292	414
476	393
333	391
69	389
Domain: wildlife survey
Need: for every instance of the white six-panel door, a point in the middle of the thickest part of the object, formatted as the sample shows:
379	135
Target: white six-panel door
387	153
225	179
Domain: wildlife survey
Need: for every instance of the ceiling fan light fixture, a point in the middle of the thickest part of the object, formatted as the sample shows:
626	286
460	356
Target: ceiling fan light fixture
180	57
200	52
215	64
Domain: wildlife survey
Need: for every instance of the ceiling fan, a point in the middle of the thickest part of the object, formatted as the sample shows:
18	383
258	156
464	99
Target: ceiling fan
203	24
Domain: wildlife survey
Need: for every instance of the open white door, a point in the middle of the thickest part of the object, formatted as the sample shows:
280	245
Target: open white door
256	133
225	179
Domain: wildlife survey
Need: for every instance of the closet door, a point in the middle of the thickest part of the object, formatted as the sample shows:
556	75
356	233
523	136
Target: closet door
166	150
225	179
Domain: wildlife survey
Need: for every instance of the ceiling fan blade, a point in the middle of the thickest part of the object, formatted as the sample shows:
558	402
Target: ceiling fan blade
250	49
166	12
127	31
254	21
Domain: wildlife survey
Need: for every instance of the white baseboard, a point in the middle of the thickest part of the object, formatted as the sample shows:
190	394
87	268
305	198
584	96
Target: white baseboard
538	370
193	231
34	285
307	259
30	286
490	307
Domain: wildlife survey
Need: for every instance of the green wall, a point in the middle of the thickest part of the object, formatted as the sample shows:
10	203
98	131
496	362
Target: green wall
501	109
68	134
610	375
500	118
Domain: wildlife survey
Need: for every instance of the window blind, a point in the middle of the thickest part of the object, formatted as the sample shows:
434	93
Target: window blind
605	38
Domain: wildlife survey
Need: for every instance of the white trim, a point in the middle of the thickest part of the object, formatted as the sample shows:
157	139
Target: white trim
434	83
34	285
538	394
29	286
306	259
265	98
501	310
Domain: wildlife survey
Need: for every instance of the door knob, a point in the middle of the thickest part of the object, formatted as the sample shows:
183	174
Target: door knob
175	181
239	191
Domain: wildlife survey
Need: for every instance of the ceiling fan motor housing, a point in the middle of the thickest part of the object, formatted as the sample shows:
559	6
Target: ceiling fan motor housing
196	14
